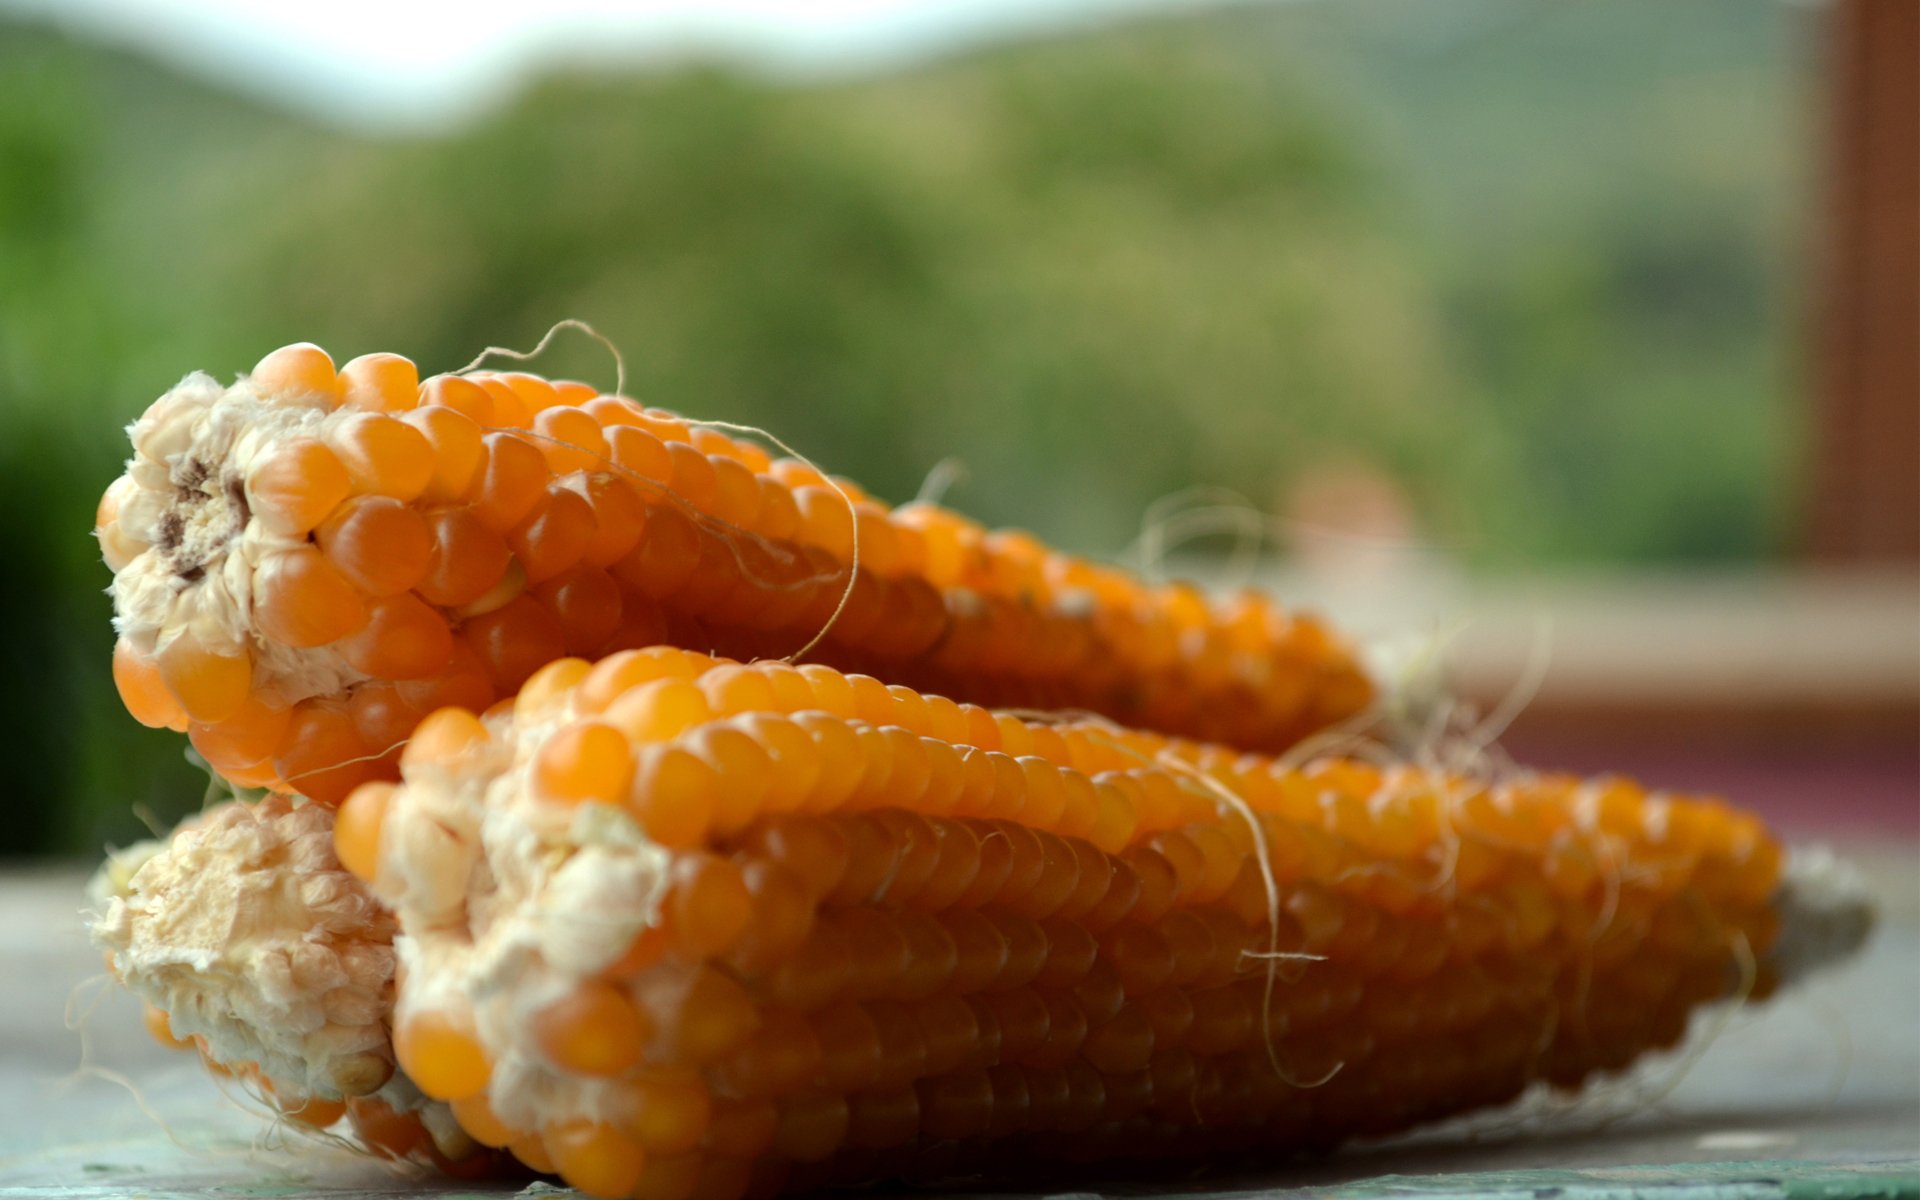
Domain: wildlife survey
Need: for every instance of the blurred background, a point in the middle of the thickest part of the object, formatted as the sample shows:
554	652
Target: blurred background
1573	345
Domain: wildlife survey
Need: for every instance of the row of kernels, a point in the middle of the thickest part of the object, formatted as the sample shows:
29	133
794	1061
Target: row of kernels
1000	1096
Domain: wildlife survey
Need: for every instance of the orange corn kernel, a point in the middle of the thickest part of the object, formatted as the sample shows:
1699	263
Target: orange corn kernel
210	686
593	1030
587	761
143	689
380	383
383	456
302	370
379	544
356	830
301	600
293	489
441	1053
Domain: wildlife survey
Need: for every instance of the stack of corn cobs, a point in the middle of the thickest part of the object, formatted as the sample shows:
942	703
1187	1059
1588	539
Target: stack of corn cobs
564	856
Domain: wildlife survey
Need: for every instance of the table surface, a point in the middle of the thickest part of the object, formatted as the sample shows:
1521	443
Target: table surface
1816	1093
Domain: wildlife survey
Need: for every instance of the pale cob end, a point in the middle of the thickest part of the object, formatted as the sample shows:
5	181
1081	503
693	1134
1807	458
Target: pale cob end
675	927
1826	914
244	929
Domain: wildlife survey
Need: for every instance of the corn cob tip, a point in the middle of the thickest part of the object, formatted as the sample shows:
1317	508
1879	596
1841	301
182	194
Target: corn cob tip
244	930
1826	914
211	511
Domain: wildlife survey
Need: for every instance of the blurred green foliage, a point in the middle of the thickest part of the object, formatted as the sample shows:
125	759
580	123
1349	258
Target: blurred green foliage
1540	263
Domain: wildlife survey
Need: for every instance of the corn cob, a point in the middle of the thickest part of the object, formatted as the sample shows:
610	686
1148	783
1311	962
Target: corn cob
678	927
309	561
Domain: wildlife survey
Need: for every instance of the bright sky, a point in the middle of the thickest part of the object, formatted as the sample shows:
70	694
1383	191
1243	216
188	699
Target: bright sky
413	63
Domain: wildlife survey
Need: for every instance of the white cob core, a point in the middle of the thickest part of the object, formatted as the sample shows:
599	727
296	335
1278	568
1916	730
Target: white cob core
249	934
193	542
508	903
